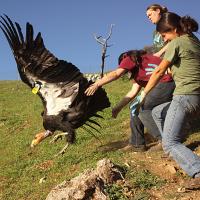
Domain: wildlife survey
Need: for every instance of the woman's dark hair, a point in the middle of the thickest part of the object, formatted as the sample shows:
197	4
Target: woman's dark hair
135	56
162	9
170	21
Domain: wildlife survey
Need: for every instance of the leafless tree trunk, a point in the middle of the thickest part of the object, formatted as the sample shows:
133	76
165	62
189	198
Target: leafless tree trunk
103	42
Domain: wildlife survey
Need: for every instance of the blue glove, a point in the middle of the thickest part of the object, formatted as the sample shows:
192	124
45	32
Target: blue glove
134	107
137	103
151	68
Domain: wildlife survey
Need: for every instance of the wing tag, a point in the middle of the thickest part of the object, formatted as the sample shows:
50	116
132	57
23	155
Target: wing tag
36	88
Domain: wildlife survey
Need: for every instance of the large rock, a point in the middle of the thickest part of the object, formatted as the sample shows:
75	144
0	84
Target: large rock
89	185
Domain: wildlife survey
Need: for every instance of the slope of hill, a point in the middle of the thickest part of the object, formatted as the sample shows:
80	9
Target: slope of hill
30	174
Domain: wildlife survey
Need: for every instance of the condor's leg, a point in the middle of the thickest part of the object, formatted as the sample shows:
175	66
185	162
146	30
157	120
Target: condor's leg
58	136
69	134
62	150
40	136
70	138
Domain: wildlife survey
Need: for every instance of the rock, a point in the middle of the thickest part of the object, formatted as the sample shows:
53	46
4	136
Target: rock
108	172
88	185
171	169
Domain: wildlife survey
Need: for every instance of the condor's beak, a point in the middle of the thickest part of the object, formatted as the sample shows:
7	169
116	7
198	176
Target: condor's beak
38	138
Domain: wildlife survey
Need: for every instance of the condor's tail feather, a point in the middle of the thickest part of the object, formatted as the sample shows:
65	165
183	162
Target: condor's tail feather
86	107
98	102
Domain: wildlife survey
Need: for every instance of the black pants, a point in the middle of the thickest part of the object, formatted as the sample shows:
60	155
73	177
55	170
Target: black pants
162	93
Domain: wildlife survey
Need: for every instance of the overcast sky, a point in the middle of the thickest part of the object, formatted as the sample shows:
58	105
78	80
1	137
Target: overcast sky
67	27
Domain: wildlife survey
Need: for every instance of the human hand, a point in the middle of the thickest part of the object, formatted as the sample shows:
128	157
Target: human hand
158	54
136	105
91	89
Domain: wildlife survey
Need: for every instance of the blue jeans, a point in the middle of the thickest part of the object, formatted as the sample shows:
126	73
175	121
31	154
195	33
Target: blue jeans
160	94
172	120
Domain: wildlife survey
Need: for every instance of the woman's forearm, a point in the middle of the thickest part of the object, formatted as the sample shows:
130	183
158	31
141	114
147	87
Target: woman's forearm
156	76
111	76
129	96
106	79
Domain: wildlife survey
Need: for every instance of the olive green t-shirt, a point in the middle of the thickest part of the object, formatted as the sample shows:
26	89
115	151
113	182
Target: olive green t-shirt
184	54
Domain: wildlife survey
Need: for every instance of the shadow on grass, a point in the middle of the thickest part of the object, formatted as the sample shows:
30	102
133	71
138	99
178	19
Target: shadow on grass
113	146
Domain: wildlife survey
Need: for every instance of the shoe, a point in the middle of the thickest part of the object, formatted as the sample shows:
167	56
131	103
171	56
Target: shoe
192	184
130	147
157	147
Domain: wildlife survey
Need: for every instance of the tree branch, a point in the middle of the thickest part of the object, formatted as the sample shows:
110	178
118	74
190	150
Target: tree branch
103	41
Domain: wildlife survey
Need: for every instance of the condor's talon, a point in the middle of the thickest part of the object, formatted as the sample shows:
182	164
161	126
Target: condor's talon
58	136
63	150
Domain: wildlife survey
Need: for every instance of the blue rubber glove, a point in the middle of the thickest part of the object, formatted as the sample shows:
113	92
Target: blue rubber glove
136	104
133	107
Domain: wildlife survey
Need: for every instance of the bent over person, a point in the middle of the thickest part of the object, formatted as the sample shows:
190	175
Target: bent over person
140	65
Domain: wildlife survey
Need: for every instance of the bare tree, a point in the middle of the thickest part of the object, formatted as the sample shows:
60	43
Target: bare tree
103	42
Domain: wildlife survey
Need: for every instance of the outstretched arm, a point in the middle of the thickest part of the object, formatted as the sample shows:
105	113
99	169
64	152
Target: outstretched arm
114	75
126	99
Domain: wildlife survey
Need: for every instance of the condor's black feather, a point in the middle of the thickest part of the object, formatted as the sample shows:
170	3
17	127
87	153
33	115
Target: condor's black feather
66	107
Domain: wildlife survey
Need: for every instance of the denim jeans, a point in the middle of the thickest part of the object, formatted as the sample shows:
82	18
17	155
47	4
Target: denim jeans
172	120
160	94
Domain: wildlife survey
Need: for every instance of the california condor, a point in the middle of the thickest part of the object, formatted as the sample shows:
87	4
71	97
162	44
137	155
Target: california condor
58	83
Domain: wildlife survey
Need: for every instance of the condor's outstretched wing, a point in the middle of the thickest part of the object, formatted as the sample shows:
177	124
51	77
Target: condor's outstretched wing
62	84
34	61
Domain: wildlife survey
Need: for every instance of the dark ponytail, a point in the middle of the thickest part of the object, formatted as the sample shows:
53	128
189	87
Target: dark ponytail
170	21
188	24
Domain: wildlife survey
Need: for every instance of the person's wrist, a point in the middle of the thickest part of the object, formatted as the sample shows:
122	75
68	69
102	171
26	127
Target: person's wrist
142	95
97	84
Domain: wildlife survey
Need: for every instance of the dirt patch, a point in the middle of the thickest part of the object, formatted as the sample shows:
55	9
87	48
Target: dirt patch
160	165
166	169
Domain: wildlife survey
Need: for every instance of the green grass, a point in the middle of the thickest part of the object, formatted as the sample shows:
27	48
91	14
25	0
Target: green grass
115	192
21	167
143	179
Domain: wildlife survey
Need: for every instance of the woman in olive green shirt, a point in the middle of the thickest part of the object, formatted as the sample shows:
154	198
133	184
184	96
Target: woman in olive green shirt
183	56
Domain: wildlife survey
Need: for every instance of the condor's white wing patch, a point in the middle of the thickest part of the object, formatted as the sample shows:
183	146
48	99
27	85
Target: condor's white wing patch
55	102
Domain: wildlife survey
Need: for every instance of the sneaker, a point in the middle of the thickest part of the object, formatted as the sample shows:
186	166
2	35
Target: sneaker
157	147
130	147
192	184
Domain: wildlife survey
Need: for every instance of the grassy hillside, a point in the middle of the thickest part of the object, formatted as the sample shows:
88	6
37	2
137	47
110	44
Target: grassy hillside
22	168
